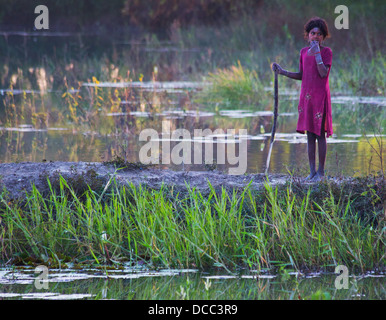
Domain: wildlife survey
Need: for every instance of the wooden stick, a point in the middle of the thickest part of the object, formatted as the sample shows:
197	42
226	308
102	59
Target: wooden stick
275	113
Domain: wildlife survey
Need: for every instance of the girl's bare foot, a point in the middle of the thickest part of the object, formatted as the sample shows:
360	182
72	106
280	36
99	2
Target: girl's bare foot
310	176
317	177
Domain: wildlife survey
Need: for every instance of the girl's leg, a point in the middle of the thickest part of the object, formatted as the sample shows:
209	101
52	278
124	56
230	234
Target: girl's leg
311	148
322	150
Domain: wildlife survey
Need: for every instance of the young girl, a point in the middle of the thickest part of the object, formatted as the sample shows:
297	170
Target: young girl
315	102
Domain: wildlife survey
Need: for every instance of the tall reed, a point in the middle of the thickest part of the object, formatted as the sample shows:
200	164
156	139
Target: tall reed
165	228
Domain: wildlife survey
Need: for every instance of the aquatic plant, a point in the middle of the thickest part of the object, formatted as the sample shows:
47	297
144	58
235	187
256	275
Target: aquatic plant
234	87
219	228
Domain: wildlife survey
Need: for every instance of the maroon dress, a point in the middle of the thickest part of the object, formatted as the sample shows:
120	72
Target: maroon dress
315	100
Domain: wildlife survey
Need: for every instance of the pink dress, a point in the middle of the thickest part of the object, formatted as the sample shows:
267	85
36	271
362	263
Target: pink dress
315	99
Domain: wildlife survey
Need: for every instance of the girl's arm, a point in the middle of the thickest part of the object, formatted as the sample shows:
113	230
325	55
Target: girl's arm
292	75
322	69
315	51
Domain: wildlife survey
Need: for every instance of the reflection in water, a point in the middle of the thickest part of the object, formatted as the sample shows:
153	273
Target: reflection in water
353	149
140	284
348	153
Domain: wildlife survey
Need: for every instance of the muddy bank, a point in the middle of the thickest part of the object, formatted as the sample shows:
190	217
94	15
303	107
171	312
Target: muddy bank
18	178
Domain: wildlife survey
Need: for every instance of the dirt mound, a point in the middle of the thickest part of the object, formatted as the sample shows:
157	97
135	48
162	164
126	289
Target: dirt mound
19	177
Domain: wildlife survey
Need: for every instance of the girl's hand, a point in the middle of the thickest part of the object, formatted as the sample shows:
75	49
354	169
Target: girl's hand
314	48
276	68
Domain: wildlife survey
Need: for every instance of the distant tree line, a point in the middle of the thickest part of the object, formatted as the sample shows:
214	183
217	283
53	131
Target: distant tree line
282	18
161	14
149	14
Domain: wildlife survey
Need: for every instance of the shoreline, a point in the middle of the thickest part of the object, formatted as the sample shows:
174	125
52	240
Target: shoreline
18	178
163	218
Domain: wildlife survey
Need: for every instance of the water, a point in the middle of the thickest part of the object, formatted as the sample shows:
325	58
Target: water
141	284
354	149
80	57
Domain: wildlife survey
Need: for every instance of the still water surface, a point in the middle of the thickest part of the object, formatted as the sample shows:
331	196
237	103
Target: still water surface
136	283
354	149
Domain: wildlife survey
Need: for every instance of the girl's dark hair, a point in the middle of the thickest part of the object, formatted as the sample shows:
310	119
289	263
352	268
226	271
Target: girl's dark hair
316	22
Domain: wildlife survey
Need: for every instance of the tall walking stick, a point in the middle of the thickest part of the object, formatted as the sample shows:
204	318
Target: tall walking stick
275	112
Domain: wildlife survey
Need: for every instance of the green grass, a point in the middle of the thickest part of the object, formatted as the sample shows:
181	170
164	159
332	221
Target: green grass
269	228
352	74
234	87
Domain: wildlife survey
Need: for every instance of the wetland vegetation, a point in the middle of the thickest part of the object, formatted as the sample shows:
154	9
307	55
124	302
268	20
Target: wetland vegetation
311	228
83	91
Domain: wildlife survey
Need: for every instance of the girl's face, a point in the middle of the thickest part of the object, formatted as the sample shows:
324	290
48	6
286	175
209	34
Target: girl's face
315	35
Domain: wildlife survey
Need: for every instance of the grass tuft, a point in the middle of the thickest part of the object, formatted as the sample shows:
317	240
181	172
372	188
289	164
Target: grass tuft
247	228
233	87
